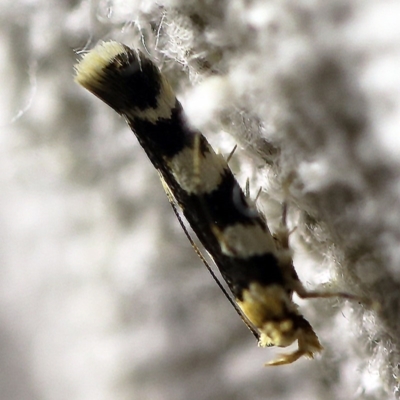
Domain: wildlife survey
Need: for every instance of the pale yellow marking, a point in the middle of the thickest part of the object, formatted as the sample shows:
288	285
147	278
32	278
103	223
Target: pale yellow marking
92	75
204	179
267	309
89	71
246	240
263	303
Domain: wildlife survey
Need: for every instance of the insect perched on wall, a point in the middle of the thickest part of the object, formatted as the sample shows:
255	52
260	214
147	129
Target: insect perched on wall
257	269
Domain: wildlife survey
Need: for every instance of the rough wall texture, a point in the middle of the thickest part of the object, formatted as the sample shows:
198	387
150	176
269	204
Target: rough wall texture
101	296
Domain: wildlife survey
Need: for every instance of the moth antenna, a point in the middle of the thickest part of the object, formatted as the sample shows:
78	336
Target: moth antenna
205	262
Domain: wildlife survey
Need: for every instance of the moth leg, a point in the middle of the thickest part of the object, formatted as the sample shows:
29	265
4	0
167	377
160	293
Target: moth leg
294	283
231	154
308	345
279	322
303	293
293	326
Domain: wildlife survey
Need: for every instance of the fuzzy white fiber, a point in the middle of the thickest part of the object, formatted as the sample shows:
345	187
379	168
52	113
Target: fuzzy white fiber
101	296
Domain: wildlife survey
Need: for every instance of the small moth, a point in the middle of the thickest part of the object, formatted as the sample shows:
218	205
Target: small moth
257	269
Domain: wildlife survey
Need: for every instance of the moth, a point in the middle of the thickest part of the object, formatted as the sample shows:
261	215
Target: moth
257	268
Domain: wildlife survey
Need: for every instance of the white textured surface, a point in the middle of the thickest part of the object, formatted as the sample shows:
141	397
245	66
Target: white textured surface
101	296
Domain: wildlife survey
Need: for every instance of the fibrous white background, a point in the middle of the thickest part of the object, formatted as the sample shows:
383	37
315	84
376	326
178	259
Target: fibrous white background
101	296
